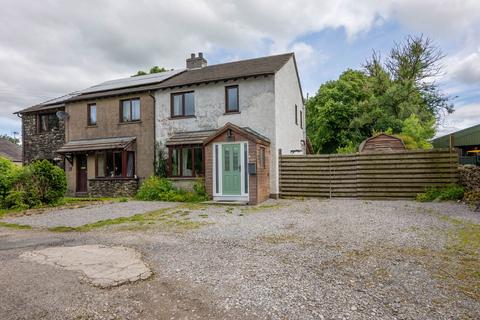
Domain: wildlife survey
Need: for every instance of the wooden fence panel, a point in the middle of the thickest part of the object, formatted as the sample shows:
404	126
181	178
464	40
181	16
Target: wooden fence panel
369	175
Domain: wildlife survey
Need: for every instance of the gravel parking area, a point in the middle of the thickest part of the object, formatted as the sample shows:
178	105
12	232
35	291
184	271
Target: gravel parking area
287	259
74	217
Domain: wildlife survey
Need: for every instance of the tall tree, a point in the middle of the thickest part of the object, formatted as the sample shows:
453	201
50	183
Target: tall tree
392	95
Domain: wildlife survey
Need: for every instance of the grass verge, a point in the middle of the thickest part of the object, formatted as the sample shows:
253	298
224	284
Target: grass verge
14	226
164	218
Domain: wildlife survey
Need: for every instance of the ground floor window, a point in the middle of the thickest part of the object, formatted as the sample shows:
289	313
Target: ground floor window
115	164
186	161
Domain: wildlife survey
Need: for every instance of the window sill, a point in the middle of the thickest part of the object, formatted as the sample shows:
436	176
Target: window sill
91	126
231	112
184	178
130	122
181	117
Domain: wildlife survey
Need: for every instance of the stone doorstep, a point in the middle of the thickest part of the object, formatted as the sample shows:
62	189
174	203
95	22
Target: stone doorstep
226	203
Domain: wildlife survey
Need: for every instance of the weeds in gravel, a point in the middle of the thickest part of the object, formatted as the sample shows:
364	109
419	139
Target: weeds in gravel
14	226
229	210
262	207
162	217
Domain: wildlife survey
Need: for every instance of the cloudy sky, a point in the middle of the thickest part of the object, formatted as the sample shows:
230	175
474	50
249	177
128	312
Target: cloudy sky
52	47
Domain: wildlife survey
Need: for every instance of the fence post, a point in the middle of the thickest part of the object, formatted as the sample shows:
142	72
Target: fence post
279	161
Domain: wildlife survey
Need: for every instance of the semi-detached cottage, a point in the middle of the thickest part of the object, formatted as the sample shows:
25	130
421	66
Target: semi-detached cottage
225	123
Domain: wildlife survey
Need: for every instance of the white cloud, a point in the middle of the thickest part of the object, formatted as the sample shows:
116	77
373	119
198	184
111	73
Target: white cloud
465	68
48	48
463	117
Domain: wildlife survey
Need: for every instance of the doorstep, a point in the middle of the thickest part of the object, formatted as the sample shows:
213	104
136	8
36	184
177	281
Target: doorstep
226	202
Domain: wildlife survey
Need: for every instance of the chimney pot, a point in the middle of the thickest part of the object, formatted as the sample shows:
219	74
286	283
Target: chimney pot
196	62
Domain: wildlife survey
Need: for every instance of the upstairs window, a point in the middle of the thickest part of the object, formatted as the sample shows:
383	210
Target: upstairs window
130	110
182	104
301	119
47	122
231	99
92	114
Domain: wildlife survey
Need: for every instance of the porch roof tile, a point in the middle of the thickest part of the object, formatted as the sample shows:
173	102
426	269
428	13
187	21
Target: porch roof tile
96	144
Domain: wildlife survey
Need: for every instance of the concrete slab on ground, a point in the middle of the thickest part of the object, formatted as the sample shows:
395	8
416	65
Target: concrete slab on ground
100	265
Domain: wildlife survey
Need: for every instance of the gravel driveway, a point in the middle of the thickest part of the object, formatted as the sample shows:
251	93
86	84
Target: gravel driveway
287	259
88	214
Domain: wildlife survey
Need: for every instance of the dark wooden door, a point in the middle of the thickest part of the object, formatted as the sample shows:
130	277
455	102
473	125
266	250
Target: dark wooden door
81	173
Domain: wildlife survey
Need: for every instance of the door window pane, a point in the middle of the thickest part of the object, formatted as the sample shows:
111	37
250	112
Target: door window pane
175	162
187	162
236	159
189	104
118	164
135	109
126	116
101	164
226	155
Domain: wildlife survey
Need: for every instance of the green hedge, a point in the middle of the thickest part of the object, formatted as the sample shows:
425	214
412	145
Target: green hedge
448	192
40	183
161	189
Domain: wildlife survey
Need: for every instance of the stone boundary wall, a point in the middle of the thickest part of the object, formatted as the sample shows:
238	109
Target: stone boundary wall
469	177
112	187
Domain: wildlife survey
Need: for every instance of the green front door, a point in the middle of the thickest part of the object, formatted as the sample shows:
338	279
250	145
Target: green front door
231	182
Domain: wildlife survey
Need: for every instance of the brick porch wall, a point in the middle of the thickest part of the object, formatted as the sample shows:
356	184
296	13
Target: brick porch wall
259	184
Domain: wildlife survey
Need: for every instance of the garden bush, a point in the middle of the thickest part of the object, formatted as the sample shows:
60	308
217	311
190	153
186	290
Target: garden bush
448	192
40	183
161	189
8	175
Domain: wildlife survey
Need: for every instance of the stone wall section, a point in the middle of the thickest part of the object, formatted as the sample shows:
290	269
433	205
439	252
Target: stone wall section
40	145
112	187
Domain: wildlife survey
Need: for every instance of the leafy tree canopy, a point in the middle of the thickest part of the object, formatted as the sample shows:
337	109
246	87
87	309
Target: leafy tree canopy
154	69
397	95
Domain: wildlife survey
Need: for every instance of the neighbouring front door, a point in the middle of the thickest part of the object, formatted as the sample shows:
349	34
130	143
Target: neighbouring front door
81	173
231	169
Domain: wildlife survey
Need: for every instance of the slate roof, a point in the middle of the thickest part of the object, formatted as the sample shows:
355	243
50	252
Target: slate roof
10	150
201	136
96	144
231	70
225	71
189	137
466	137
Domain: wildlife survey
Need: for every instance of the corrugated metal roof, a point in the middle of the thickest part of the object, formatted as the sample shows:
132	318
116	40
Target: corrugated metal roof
466	137
10	150
96	144
189	137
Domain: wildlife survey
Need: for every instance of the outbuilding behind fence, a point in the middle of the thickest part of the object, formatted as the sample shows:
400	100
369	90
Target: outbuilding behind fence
367	175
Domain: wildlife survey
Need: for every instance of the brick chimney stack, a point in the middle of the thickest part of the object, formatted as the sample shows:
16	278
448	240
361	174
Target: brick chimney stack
196	62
